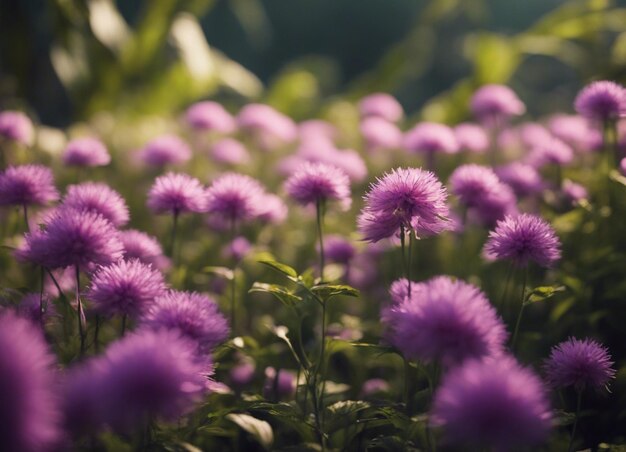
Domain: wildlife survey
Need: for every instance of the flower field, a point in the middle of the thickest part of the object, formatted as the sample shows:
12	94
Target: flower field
230	277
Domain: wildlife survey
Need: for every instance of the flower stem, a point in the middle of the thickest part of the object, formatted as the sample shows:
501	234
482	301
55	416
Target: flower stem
579	398
405	266
507	281
521	310
233	282
123	331
319	208
25	212
41	308
173	238
81	314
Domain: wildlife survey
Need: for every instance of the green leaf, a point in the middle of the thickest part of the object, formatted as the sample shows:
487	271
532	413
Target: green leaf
326	291
617	177
260	430
283	294
543	293
224	272
281	268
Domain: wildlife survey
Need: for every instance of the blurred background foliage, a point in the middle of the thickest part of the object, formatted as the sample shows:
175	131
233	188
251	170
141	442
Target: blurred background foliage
71	59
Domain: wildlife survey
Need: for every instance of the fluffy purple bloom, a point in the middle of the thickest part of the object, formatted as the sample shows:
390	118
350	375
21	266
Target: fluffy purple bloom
139	245
273	209
399	290
279	384
27	185
150	374
194	315
235	197
338	249
522	239
491	103
165	150
496	205
430	138
73	238
99	198
524	179
237	249
125	288
471	137
574	192
176	193
314	183
314	129
579	363
270	127
550	152
378	133
494	403
381	105
210	116
230	151
532	134
16	126
29	412
86	152
602	101
406	197
242	374
445	320
37	308
471	183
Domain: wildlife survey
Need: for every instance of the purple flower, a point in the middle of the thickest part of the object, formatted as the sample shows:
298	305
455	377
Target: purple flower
532	134
16	126
194	315
210	116
38	308
445	320
139	245
494	403
338	249
176	193
314	183
99	198
73	238
409	198
575	131
125	288
150	374
235	197
86	152
374	386
471	137
574	192
29	412
491	103
279	384
314	129
379	133
579	363
273	209
601	101
270	127
524	179
237	249
83	399
430	138
230	151
522	239
27	185
471	183
242	374
399	289
165	150
552	151
381	105
496	205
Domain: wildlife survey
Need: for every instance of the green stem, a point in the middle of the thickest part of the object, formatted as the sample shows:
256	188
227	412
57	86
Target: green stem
25	212
521	310
319	208
404	258
579	398
507	281
322	367
233	282
409	261
173	238
407	386
81	314
123	331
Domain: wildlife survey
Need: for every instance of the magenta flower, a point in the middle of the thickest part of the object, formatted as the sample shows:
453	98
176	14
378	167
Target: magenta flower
99	198
496	205
279	384
237	249
210	116
444	320
492	103
125	288
194	315
139	245
409	198
29	412
230	151
176	193
165	150
574	192
235	197
495	404
574	130
601	101
338	249
381	105
550	152
430	138
73	238
270	127
471	137
273	209
471	183
315	129
242	374
524	179
378	133
27	185
86	152
315	183
522	239
16	126
579	363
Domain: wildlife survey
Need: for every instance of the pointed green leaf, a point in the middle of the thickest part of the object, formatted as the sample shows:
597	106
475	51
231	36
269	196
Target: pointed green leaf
543	293
281	268
260	430
326	291
283	294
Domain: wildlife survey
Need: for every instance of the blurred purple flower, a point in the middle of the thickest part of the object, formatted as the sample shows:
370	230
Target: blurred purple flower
524	179
445	320
381	105
409	198
125	288
165	150
27	185
230	151
602	101
242	374
235	197
574	192
494	403
280	384
374	386
237	249
472	137
29	413
270	127
99	198
550	152
579	363
493	103
338	249
194	315
38	308
471	183
176	193
380	134
86	152
211	116
272	209
16	126
574	130
139	245
532	134
522	239
314	129
314	183
430	138
496	205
